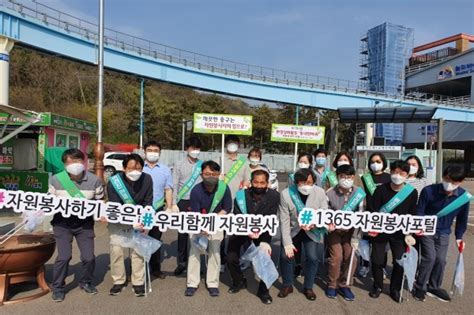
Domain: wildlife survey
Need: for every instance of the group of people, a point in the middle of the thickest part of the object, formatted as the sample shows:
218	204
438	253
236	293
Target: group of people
242	187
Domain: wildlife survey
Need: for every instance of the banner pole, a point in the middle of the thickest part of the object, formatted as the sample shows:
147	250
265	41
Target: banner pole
295	157
222	155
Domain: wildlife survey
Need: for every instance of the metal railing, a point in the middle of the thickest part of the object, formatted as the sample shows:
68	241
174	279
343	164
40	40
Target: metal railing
89	31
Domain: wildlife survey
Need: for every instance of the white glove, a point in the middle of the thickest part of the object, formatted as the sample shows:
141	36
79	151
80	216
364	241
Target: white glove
266	248
410	240
290	251
175	208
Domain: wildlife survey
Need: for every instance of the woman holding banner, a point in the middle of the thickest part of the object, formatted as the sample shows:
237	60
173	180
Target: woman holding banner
293	199
134	187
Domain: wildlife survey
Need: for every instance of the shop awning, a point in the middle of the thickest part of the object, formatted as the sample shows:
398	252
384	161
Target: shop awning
29	118
386	114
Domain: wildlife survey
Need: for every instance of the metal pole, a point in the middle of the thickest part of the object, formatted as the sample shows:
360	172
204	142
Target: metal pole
439	155
318	115
183	132
296	144
426	137
222	154
142	118
99	147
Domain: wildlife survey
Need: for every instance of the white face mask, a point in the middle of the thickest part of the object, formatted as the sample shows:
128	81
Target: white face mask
134	175
232	147
449	187
376	167
305	189
346	183
397	179
75	169
413	170
194	153
303	165
254	162
339	163
152	157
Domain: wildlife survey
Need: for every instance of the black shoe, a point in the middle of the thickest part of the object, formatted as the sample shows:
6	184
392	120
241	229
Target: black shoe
159	275
179	270
375	293
89	289
58	296
139	290
237	288
116	289
395	295
439	294
265	298
419	295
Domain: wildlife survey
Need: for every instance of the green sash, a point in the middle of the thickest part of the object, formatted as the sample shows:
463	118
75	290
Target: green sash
355	200
295	197
291	178
369	182
159	203
397	199
221	188
331	176
458	202
234	169
121	190
241	202
191	180
68	185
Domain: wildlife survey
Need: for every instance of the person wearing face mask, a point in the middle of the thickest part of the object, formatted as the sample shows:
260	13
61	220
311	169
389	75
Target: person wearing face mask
186	175
342	158
255	159
416	176
396	197
210	196
258	200
376	176
345	196
292	200
75	182
447	201
321	171
132	186
162	196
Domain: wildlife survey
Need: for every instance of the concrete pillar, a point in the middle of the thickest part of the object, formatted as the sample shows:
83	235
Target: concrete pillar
369	134
6	46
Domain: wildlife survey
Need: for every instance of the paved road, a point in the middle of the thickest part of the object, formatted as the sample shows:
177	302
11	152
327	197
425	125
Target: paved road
168	298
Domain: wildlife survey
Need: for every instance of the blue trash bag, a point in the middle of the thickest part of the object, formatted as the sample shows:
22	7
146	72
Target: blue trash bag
145	245
364	250
262	263
200	241
459	275
409	262
123	238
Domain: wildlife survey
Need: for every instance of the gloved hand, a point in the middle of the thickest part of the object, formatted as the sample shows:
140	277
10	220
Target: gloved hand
290	251
266	247
410	240
354	243
461	244
138	227
175	208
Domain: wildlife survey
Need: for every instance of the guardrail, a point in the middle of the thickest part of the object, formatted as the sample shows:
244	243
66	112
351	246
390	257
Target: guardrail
126	42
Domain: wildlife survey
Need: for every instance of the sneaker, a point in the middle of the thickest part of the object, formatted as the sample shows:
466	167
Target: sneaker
236	288
179	270
89	289
363	272
419	295
116	289
58	296
213	292
439	294
331	293
375	293
346	294
190	291
139	290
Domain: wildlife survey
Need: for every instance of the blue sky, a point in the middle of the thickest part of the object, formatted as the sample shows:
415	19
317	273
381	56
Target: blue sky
316	37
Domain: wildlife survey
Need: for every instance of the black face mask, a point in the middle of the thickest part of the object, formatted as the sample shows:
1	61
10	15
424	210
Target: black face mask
210	181
259	191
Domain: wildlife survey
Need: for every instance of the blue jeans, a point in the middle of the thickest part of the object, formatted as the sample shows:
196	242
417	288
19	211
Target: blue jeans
313	252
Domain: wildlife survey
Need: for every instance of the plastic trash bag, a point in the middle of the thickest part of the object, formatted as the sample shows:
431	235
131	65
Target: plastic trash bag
145	245
409	262
262	263
32	220
122	238
364	249
201	242
459	275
